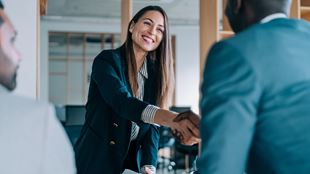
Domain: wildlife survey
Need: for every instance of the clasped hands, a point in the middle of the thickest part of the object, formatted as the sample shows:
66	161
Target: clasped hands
186	128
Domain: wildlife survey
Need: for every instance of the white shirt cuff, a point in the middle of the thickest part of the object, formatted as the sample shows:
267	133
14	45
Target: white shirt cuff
148	114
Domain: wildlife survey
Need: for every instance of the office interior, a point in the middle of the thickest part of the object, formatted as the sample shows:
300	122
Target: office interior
66	35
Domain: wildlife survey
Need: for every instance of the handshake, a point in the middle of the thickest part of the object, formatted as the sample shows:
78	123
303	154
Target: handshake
185	128
185	125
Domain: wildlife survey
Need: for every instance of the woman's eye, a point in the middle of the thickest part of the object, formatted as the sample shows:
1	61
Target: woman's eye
160	30
147	23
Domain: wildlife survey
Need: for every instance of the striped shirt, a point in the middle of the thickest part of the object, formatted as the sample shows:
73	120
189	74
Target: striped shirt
149	112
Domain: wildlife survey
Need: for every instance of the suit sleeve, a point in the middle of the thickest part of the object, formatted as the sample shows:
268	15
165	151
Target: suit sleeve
230	96
115	93
58	156
149	146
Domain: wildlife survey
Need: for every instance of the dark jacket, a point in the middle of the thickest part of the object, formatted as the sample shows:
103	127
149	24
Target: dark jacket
105	137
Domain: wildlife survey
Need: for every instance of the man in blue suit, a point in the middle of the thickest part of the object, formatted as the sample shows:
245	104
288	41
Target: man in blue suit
255	102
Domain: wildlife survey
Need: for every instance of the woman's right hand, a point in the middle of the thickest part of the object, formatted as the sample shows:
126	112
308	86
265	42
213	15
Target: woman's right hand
184	125
187	128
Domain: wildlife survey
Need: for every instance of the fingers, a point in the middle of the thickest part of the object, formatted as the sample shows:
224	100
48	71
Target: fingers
148	169
193	129
189	115
190	134
186	132
187	139
177	135
195	119
195	132
191	141
186	128
189	128
182	116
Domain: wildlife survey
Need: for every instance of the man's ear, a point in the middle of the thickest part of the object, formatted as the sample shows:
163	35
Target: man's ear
237	4
132	24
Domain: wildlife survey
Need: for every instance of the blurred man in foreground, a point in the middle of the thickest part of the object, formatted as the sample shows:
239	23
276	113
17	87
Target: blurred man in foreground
32	141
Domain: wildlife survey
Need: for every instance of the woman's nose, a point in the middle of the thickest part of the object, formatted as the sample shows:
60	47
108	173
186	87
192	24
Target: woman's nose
152	30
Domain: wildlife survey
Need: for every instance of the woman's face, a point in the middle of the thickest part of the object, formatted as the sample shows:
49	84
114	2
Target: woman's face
148	31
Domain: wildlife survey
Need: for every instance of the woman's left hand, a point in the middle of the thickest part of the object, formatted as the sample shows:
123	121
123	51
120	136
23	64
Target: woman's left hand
148	169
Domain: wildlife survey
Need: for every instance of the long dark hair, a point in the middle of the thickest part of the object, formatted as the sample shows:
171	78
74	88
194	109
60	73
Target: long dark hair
162	55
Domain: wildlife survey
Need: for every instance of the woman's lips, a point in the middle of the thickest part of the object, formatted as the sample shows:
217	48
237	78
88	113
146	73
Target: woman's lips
148	39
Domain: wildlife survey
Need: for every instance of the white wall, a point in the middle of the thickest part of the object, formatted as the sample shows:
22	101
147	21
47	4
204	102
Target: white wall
23	15
67	25
187	66
187	53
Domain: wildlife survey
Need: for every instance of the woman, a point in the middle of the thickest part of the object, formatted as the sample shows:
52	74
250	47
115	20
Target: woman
127	84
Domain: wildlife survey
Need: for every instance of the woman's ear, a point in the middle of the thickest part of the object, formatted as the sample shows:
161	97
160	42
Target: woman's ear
132	24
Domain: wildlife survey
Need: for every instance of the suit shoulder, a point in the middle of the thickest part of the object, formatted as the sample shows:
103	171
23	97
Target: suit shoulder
24	111
112	55
260	32
26	101
245	41
27	105
228	50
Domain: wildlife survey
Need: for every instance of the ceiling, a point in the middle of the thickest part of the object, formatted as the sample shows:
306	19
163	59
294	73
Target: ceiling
179	11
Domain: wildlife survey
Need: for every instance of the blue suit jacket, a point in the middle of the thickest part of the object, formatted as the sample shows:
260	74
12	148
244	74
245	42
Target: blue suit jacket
255	102
105	137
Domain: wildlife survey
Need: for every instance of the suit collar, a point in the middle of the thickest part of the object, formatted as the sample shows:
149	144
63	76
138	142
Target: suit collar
150	73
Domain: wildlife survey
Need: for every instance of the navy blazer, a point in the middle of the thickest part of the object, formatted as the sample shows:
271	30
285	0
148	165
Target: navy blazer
105	137
255	101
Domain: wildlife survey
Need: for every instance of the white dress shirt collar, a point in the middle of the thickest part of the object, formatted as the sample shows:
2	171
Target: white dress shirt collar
272	17
143	69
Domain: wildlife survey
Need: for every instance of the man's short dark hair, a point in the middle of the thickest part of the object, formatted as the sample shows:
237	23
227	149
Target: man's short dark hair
1	8
1	5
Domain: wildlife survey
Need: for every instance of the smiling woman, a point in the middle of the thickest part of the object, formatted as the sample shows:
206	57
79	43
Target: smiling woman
128	86
145	33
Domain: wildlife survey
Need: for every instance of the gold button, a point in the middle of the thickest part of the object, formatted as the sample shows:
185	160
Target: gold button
112	142
115	125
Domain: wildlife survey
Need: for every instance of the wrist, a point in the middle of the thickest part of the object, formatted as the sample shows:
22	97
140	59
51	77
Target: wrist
170	117
165	117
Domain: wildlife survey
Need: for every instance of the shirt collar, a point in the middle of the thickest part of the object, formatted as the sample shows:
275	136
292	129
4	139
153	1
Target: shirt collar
143	69
3	89
272	17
